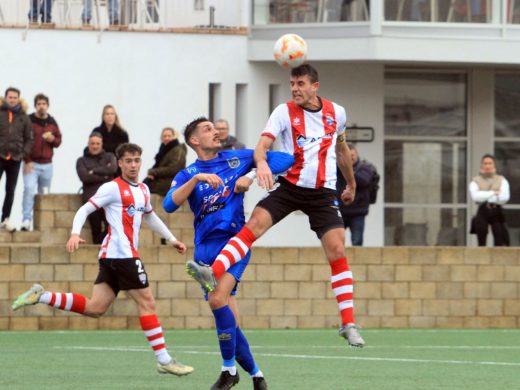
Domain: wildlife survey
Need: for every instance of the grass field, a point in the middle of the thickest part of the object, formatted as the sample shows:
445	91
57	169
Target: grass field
291	359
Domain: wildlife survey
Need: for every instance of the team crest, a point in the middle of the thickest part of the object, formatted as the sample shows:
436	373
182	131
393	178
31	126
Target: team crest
234	162
131	210
142	278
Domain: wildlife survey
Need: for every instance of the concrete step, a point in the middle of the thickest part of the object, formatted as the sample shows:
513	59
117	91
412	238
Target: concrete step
20	237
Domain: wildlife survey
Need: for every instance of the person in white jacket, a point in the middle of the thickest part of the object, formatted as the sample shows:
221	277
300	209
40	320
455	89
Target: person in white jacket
490	191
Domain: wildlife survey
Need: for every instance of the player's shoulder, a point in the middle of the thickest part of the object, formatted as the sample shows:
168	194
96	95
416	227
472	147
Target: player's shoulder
238	153
109	186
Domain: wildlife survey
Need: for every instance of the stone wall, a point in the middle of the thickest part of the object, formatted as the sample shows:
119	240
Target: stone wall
282	287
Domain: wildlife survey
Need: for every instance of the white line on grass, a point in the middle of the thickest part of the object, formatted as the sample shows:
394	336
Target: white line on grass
318	357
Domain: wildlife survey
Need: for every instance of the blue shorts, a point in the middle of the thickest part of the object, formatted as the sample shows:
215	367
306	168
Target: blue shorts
207	251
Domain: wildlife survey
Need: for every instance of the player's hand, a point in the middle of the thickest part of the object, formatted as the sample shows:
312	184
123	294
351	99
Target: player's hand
348	195
180	246
74	242
213	180
264	176
242	184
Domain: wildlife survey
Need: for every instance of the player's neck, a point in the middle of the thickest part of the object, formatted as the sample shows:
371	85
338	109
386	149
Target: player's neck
133	180
205	155
313	104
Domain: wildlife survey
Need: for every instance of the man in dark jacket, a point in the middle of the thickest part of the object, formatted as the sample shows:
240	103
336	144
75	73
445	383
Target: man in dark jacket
16	139
170	159
354	214
95	168
228	141
37	170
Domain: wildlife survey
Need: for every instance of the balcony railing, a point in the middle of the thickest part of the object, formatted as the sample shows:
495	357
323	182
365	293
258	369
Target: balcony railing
269	12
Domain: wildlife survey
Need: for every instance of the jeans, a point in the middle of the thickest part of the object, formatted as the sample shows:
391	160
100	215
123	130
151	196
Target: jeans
113	11
42	7
357	227
35	182
11	168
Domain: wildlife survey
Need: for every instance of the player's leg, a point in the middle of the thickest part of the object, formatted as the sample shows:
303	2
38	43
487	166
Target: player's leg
243	354
96	306
333	242
153	331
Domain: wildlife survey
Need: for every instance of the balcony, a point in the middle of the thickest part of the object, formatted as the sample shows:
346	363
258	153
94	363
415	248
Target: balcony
446	31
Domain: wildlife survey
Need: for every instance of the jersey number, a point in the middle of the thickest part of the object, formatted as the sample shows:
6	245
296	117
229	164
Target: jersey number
140	268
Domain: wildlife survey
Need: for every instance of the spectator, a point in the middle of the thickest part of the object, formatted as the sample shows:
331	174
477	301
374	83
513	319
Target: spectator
43	8
113	12
37	170
111	130
95	168
16	139
354	214
490	191
170	159
228	141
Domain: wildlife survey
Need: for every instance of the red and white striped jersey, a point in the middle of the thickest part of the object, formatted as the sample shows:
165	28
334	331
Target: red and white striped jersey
311	137
124	204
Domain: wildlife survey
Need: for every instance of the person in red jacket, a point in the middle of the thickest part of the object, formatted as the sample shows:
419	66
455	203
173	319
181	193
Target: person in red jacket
37	170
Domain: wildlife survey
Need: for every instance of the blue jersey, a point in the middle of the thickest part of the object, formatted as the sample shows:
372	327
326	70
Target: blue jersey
221	211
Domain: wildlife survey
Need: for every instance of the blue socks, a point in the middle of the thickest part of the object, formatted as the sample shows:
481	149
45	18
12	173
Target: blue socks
226	332
243	354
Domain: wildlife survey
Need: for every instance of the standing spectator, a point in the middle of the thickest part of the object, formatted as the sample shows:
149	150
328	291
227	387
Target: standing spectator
490	191
113	12
95	168
16	139
228	141
354	214
43	8
37	170
111	130
170	159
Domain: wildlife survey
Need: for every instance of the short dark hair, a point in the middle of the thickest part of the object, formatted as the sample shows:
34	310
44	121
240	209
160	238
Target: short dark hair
191	127
95	134
39	97
12	89
306	70
128	148
487	155
351	146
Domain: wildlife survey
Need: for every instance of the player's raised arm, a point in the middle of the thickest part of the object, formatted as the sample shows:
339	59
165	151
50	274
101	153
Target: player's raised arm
264	175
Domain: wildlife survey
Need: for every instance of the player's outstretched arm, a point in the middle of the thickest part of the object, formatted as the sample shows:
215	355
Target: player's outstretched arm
160	228
77	224
264	176
344	162
178	194
279	162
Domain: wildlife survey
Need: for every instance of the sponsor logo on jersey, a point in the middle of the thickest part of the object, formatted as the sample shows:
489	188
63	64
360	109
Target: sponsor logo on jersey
131	210
234	162
296	122
126	193
329	119
303	141
191	170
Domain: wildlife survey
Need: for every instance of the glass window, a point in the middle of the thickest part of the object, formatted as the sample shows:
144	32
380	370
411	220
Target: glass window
425	158
507	101
425	104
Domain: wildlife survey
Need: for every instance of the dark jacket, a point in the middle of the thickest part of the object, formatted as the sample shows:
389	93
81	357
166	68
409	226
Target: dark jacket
42	151
16	135
232	143
94	170
166	168
363	173
113	138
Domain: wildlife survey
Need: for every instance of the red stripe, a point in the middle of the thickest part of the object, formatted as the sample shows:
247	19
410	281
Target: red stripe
329	127
338	266
146	197
94	203
149	321
155	336
268	135
158	346
127	200
229	255
63	301
345	297
342	282
297	118
78	303
53	299
104	247
237	246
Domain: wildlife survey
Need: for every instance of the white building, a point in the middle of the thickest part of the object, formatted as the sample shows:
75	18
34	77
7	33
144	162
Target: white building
437	80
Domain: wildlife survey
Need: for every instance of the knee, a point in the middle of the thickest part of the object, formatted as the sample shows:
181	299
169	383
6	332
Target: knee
336	251
217	300
95	311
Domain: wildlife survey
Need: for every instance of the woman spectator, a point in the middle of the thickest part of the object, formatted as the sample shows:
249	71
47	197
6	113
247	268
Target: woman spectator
170	159
490	191
111	130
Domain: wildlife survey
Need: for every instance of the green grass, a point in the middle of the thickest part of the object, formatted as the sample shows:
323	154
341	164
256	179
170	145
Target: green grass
290	359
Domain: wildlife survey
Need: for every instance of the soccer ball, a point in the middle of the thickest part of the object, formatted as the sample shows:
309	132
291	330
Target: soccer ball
290	51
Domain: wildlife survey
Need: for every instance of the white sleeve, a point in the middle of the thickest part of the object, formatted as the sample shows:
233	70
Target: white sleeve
81	217
147	207
477	195
504	195
277	122
105	195
158	226
341	118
